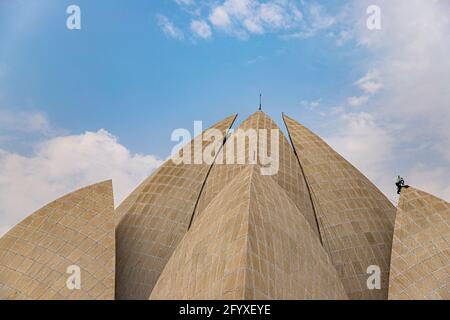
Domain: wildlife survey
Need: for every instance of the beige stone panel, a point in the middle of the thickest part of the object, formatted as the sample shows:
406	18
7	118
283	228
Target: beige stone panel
420	262
77	229
245	245
154	218
288	176
356	220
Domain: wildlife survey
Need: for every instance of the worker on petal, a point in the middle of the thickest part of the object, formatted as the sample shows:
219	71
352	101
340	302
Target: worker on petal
400	183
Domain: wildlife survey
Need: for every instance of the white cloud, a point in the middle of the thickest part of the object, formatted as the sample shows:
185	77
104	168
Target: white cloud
361	139
371	82
357	101
169	28
319	19
342	37
367	144
311	105
431	180
339	110
185	2
244	17
316	20
406	128
201	29
272	14
62	165
411	53
220	18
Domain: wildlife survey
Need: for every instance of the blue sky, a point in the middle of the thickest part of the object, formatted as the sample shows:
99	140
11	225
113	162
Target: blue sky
121	72
139	69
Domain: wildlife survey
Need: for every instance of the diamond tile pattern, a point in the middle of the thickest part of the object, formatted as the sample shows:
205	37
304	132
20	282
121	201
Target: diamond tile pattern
420	265
226	231
154	218
288	176
77	229
250	248
356	220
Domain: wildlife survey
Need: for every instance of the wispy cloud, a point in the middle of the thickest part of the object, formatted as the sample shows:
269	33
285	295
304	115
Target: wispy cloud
370	84
201	29
185	2
310	105
316	20
357	101
244	18
256	60
169	28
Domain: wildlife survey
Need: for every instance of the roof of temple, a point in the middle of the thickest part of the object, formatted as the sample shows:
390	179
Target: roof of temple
286	170
155	217
245	245
356	221
258	218
420	265
75	230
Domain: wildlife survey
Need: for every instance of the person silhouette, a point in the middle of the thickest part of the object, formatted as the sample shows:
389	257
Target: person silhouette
400	183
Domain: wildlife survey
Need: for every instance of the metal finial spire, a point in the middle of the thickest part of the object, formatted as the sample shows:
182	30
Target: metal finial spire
260	102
